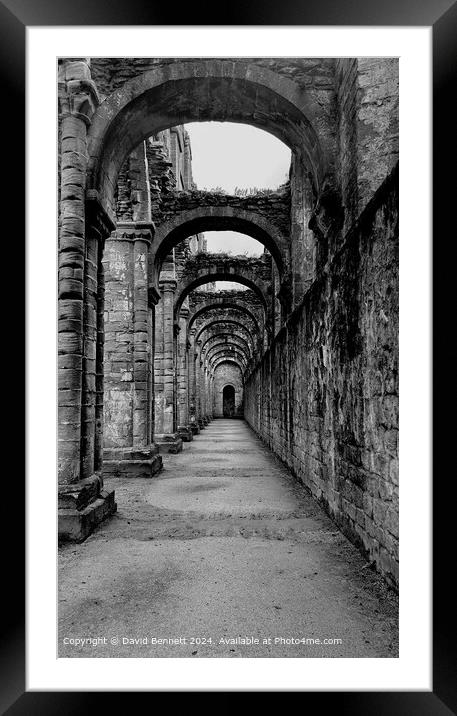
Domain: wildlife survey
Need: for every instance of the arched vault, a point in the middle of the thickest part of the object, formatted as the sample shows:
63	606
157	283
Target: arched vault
224	90
218	218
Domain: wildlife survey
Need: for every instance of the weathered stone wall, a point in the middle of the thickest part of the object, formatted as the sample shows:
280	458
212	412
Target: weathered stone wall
325	395
347	90
367	101
128	345
274	206
314	74
302	238
227	374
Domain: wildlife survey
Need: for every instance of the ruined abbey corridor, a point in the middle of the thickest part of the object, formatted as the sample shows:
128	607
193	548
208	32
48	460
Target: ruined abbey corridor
228	452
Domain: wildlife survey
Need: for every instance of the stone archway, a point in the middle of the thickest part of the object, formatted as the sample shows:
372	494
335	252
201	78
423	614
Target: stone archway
102	137
207	268
204	90
227	327
187	222
215	303
221	339
210	318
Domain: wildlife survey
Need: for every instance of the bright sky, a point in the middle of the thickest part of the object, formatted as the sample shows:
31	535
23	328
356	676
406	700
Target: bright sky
227	155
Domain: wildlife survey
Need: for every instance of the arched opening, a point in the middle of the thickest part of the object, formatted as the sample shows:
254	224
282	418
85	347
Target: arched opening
140	358
228	401
220	272
214	218
199	91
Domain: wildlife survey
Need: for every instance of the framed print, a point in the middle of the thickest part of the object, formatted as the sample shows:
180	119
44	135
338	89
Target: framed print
228	359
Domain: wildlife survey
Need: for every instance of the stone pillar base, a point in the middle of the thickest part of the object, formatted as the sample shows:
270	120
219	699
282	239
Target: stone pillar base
82	506
185	433
195	428
168	442
201	423
131	461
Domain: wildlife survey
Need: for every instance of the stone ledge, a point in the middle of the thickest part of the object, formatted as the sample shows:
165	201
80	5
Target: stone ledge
168	443
130	453
185	433
76	525
78	495
133	468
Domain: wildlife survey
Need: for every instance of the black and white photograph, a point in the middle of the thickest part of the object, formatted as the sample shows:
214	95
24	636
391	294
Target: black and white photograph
228	305
228	357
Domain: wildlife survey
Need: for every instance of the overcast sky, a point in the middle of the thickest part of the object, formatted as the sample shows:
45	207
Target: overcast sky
231	155
227	155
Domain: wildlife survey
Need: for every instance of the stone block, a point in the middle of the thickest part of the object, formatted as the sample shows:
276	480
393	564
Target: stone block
185	433
132	468
168	443
76	525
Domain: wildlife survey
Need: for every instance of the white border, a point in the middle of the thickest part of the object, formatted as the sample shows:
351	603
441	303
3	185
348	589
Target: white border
412	670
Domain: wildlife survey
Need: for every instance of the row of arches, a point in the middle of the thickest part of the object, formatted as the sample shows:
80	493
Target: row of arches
148	342
96	250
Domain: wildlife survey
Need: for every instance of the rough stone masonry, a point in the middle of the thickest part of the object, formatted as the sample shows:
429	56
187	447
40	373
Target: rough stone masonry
305	347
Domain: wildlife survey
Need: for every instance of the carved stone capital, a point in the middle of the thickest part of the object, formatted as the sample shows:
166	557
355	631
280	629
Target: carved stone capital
98	221
78	98
168	284
134	231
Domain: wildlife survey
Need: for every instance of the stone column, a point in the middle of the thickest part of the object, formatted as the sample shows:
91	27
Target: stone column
209	407
184	429
129	448
168	439
158	368
210	395
88	396
99	369
82	501
198	386
193	417
74	87
204	388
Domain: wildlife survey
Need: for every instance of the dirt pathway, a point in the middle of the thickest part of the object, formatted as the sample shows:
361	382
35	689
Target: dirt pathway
222	554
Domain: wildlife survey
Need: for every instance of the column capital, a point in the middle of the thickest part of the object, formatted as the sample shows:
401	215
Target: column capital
98	219
134	231
78	95
168	284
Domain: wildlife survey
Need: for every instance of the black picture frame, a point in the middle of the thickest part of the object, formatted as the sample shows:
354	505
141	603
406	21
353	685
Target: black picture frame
15	17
